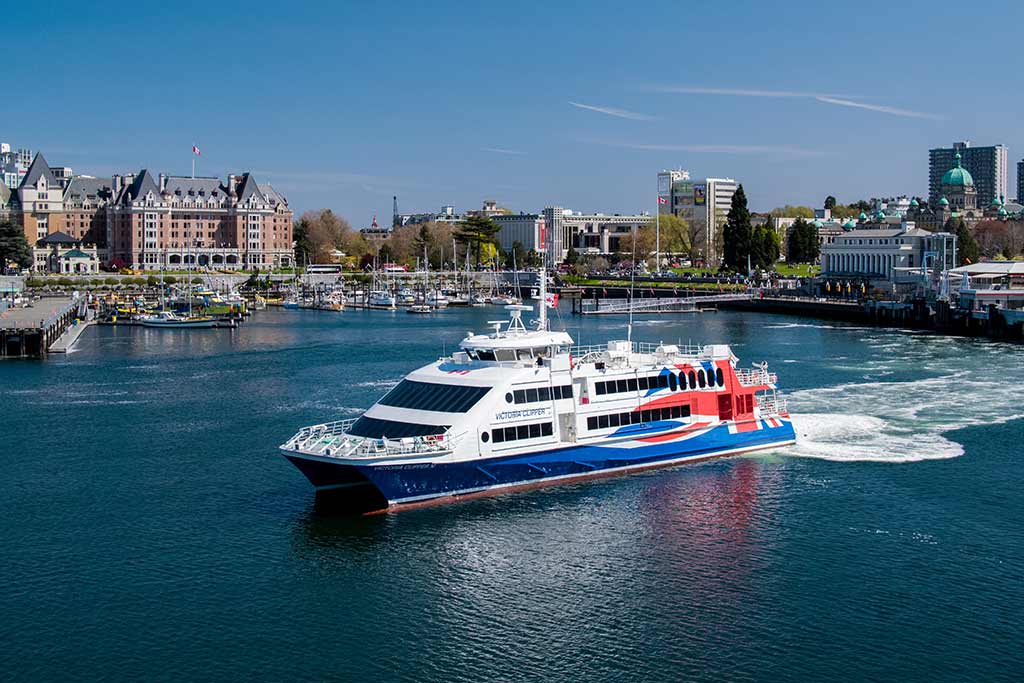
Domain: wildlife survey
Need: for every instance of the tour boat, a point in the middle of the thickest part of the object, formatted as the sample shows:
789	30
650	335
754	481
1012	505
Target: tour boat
519	408
419	308
167	319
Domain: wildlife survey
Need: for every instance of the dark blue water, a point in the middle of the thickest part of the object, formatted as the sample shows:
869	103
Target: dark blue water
151	530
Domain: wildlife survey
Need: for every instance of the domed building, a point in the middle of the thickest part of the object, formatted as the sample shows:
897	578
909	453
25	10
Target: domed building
958	188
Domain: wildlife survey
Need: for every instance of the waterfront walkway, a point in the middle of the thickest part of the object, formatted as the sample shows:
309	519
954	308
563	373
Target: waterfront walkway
29	332
660	305
70	336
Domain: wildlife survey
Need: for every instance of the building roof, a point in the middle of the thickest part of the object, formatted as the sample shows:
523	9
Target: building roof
75	253
143	185
58	238
992	268
958	176
39	168
185	186
87	188
273	196
247	189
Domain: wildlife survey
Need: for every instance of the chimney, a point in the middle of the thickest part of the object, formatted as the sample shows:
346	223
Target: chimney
163	183
232	185
116	183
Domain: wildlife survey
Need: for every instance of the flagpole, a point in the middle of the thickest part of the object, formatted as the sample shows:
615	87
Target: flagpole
657	237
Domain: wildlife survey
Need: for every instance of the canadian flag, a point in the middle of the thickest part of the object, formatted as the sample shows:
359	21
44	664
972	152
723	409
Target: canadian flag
662	200
195	150
551	301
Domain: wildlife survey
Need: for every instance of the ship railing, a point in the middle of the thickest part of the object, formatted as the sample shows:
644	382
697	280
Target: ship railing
756	377
332	439
582	352
772	404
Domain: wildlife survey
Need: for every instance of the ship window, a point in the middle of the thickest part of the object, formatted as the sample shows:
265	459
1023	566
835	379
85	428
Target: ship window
534	430
544	394
672	385
375	428
531	396
522	432
546	429
602	421
499	436
676	412
592	422
485	437
613	420
633	386
599	388
642	383
693	380
520	396
444	398
508	397
700	379
719	377
523	354
663	381
634	417
621	386
485	355
505	354
646	415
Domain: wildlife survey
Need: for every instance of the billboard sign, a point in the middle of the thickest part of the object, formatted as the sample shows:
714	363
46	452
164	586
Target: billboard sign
700	195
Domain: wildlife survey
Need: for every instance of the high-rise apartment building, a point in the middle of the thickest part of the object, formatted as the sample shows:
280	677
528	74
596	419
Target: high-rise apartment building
989	166
1020	182
702	203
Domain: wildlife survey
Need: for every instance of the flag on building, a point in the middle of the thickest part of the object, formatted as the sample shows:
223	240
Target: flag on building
195	150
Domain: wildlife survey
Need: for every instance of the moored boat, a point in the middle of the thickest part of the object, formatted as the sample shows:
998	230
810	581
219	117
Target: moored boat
167	319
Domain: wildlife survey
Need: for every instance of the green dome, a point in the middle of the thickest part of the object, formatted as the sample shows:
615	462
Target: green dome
958	175
849	225
817	224
913	202
863	216
996	202
880	215
1002	212
943	202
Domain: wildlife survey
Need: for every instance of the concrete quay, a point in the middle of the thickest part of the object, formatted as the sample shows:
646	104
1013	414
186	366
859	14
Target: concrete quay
29	332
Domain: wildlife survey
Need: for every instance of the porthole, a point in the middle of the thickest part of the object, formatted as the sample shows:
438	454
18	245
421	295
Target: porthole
485	437
508	397
719	377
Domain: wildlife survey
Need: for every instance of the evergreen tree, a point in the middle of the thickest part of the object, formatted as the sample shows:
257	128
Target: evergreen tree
767	247
967	250
13	246
571	257
737	236
476	230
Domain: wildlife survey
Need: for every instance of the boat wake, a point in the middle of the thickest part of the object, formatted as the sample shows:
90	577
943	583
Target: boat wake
898	421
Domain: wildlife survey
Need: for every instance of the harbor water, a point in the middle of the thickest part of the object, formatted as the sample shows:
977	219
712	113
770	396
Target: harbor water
152	530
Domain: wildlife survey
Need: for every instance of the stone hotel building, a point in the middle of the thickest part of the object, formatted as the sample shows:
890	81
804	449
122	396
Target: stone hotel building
149	222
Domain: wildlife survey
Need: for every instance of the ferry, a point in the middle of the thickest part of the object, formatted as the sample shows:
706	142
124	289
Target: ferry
523	407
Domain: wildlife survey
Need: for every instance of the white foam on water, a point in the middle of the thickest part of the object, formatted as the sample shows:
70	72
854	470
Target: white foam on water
903	421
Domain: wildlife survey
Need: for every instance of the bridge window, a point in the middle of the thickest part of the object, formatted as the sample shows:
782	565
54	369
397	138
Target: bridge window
444	398
719	377
375	428
700	379
600	388
672	385
693	380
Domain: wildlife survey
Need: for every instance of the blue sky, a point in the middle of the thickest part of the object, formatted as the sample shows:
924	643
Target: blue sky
341	105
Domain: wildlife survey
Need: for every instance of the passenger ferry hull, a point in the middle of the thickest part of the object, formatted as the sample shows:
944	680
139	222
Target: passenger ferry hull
408	484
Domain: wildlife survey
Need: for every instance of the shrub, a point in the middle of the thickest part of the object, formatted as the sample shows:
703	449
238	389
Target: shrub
111	281
170	280
152	281
65	282
35	282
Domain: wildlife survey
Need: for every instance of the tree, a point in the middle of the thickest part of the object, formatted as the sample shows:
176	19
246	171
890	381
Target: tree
13	246
423	240
790	211
676	234
765	247
967	250
737	237
321	232
830	202
571	257
802	245
645	239
475	231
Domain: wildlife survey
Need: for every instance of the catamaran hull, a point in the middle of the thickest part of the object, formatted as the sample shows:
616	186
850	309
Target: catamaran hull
432	482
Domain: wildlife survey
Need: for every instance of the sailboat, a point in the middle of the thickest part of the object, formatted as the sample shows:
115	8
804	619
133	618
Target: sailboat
423	307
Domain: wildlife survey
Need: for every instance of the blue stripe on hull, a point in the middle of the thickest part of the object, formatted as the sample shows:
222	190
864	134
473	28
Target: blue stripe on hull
421	481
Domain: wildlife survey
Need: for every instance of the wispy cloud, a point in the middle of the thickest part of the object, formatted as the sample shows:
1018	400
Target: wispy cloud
825	98
502	150
762	150
895	111
612	111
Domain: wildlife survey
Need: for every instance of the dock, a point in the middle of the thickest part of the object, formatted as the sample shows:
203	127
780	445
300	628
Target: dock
70	336
29	332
